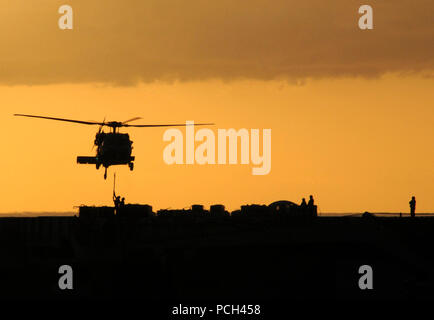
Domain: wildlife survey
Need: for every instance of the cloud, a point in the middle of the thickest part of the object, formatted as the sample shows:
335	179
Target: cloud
126	42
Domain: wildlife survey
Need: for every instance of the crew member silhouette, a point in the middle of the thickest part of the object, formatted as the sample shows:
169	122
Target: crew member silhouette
122	202
117	200
412	206
310	203
303	203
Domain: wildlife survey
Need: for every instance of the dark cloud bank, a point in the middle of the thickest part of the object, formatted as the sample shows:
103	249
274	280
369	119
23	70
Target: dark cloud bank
124	42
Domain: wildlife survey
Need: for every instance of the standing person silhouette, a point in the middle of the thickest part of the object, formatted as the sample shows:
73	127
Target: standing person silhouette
311	202
311	207
412	206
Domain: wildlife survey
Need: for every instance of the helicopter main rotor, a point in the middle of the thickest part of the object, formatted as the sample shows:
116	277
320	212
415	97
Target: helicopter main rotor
113	124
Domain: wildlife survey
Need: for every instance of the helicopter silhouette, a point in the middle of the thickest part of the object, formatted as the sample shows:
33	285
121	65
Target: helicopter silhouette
113	148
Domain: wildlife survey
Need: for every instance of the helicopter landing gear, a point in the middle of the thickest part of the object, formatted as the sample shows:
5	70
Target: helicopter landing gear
131	166
105	174
97	166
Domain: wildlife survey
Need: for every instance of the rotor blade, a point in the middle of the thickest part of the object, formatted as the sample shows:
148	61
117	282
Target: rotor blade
102	125
60	119
165	125
133	119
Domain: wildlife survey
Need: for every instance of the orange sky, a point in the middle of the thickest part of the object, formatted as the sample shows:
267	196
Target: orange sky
351	113
355	144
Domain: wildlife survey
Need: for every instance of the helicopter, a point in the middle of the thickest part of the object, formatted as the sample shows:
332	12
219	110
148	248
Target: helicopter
113	148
